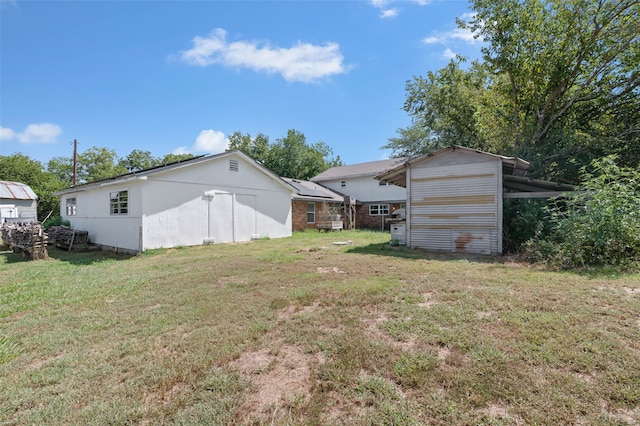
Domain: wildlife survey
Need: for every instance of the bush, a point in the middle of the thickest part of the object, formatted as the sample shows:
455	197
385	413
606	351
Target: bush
55	221
523	220
599	225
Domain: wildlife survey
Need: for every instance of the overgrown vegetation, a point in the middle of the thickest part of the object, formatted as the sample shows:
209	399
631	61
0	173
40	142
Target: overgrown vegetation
302	331
599	225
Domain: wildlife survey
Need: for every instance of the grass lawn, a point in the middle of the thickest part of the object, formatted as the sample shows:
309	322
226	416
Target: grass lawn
303	331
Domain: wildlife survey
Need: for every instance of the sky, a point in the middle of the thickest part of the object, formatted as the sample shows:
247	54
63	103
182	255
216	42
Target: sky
182	76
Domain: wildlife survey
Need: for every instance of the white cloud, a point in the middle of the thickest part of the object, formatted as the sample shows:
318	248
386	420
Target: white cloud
431	40
393	12
33	133
389	13
458	34
448	54
6	134
211	141
303	62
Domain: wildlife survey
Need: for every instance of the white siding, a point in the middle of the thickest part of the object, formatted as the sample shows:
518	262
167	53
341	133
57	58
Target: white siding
455	204
93	215
199	203
366	189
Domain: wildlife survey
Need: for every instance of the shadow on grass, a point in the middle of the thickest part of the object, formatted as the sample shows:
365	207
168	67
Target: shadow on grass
86	257
73	257
387	249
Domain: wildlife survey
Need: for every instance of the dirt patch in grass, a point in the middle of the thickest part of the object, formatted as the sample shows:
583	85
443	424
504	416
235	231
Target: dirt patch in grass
280	378
373	325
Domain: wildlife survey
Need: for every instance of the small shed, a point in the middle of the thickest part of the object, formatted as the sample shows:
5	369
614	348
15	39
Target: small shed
454	198
220	198
18	202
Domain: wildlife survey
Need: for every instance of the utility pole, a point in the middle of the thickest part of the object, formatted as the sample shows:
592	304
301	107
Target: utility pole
75	161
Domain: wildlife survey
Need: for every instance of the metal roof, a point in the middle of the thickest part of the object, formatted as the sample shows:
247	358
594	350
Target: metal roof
306	190
361	169
16	191
397	175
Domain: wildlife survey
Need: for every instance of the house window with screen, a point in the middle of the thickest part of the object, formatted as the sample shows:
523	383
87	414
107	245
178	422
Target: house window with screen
311	212
378	209
343	183
119	202
71	206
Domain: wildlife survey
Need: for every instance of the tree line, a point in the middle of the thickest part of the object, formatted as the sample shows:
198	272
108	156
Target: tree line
557	85
289	156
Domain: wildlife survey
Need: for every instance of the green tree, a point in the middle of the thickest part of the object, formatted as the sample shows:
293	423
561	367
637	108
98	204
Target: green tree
558	85
290	156
21	168
98	163
172	158
138	160
62	168
256	148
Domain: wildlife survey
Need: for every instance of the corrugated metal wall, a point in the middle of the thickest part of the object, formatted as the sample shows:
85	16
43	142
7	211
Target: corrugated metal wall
456	207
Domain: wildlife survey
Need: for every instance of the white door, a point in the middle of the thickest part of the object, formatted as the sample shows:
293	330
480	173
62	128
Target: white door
245	217
221	218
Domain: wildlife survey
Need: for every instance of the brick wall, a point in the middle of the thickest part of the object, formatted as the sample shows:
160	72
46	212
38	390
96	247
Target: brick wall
299	216
366	221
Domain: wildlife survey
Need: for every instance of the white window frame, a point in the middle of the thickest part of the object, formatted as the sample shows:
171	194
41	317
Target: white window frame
378	209
71	206
119	203
311	212
343	184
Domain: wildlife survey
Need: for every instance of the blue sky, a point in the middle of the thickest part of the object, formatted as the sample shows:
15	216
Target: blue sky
181	76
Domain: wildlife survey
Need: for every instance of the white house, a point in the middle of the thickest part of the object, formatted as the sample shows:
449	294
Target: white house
18	202
454	198
375	200
220	198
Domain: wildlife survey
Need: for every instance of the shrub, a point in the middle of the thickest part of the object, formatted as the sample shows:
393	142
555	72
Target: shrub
598	225
523	220
55	221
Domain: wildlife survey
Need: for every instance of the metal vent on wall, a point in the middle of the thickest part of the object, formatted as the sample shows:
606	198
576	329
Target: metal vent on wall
233	165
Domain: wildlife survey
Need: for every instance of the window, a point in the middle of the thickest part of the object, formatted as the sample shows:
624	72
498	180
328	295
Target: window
343	183
311	212
119	202
71	206
233	165
378	209
381	183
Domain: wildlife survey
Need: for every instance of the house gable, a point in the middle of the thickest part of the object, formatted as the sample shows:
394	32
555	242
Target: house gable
222	198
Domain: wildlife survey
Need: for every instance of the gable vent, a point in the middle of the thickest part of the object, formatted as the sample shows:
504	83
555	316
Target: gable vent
233	165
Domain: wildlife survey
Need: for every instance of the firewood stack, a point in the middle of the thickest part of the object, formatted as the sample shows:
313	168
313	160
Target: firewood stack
70	239
27	238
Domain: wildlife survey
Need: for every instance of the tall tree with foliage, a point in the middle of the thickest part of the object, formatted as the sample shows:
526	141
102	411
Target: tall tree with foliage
290	156
558	85
138	160
21	168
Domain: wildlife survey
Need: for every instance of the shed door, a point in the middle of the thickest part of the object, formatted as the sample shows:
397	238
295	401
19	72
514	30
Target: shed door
245	217
232	217
221	218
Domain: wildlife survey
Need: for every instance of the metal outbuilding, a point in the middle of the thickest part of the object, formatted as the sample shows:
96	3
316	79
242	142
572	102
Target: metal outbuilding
18	202
455	197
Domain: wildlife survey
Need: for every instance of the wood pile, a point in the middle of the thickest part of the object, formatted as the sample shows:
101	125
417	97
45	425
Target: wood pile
27	238
69	239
